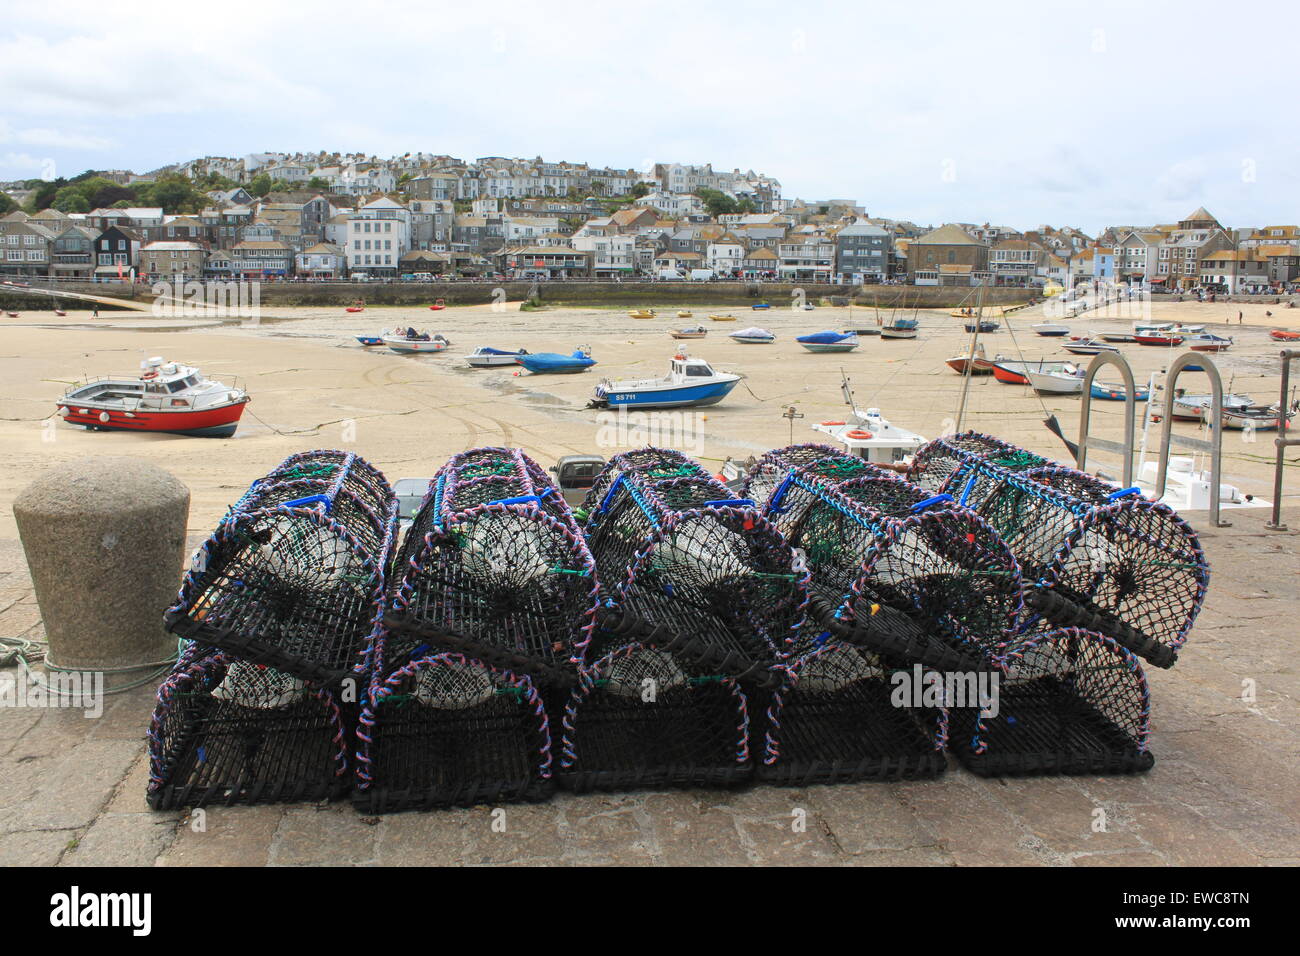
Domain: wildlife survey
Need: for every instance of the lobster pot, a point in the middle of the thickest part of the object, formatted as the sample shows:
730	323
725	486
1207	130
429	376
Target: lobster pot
694	572
908	574
1104	558
226	731
447	730
937	466
295	572
840	716
495	567
1071	702
641	717
655	463
784	506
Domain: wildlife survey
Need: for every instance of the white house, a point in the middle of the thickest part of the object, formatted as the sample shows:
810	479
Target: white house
726	255
610	255
378	234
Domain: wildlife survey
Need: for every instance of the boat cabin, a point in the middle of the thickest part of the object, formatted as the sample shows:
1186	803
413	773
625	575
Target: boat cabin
684	366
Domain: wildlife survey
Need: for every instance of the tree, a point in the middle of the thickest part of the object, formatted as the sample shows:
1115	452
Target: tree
717	203
7	204
261	185
639	190
318	184
69	201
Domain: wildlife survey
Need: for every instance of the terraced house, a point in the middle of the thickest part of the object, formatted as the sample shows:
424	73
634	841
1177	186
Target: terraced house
26	246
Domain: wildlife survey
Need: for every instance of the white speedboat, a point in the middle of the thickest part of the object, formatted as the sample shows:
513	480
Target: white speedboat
411	342
1063	381
487	357
753	336
868	434
829	341
690	381
1051	329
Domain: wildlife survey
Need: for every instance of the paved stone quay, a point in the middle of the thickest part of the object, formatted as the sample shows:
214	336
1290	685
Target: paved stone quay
1225	789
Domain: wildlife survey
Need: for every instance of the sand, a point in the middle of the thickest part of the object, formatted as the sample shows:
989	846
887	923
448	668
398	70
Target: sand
313	386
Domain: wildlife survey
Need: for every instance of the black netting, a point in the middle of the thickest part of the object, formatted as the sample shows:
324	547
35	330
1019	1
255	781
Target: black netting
954	590
446	730
641	717
658	462
688	568
292	576
783	503
838	718
495	567
226	731
1072	702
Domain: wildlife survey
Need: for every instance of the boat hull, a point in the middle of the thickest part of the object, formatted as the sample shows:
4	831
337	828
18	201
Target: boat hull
218	422
678	397
1008	376
978	367
369	341
490	361
1055	385
1108	393
420	348
888	333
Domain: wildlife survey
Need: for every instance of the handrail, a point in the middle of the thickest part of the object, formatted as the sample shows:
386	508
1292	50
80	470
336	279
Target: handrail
1215	444
1085	412
1281	442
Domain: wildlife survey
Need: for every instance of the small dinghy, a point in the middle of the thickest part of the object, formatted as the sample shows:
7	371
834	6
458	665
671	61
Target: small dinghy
985	326
693	332
553	363
12	315
1112	392
369	341
829	341
411	342
683	314
642	314
1051	329
719	317
753	336
761	305
60	313
1119	337
438	305
1284	335
690	381
355	308
487	357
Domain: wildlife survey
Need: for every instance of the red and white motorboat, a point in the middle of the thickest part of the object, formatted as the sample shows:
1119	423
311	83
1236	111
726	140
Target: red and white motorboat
164	397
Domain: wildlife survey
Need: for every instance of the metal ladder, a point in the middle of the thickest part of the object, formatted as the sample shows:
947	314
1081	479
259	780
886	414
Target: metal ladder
1086	441
1281	442
1214	446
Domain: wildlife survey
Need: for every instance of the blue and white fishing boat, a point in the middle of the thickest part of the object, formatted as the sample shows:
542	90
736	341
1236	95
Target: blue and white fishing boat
553	363
829	341
487	357
371	340
1118	392
690	381
754	336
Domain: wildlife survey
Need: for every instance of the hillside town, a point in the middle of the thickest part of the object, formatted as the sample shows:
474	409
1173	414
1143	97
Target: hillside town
419	217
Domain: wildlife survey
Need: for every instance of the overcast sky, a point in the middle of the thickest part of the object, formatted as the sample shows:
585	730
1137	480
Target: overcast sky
1017	113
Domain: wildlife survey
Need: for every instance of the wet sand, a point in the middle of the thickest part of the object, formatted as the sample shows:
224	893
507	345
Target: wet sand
314	386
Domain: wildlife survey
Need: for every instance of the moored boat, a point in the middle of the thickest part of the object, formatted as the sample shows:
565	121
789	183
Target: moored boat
1119	337
165	397
1050	329
370	340
720	317
984	326
1193	408
1089	347
554	363
1259	418
899	329
1284	335
684	314
979	366
1208	342
438	305
1013	373
642	313
411	342
753	336
691	332
487	357
1063	381
1112	392
690	381
828	341
355	308
1158	339
761	305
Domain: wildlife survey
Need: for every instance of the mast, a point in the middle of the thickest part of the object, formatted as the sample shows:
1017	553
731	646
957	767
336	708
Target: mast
970	359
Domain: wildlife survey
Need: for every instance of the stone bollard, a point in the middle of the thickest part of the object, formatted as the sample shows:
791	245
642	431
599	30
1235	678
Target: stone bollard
105	545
